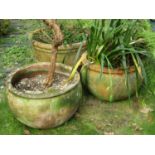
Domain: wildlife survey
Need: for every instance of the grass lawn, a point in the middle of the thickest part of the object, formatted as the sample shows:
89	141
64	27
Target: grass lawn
136	116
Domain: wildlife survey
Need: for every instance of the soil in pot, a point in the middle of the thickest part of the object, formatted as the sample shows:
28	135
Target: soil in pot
35	84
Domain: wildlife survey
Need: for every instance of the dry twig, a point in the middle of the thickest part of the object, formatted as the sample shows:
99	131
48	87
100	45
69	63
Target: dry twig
57	41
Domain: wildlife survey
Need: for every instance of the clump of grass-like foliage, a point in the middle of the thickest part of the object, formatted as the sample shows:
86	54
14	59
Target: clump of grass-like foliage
120	43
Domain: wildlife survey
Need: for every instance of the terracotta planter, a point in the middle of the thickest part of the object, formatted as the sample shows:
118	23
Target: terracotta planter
44	110
66	54
111	85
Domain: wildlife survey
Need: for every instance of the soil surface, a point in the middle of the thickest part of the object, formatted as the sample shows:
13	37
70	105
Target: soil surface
36	84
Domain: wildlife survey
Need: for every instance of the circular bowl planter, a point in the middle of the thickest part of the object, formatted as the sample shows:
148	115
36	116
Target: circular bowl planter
66	53
45	110
111	85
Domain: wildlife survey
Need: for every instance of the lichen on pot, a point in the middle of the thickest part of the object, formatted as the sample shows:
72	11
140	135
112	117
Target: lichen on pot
48	108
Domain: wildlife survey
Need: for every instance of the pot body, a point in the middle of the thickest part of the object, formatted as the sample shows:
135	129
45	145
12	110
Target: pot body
66	54
43	111
111	84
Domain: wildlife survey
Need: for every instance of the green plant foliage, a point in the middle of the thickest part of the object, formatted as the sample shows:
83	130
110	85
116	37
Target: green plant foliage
121	44
73	30
4	26
94	116
15	55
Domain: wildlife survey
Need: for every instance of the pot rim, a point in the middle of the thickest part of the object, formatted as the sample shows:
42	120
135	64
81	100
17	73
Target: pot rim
43	95
106	70
61	48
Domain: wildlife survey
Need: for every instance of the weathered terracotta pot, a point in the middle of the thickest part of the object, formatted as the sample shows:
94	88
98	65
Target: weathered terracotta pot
44	110
66	53
111	85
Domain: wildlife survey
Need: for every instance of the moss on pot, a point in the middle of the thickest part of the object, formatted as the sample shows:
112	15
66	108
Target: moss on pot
110	85
44	110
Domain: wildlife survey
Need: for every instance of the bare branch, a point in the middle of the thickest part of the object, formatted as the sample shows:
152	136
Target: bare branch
57	41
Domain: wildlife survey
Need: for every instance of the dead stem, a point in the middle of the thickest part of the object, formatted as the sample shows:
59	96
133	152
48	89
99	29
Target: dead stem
57	41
